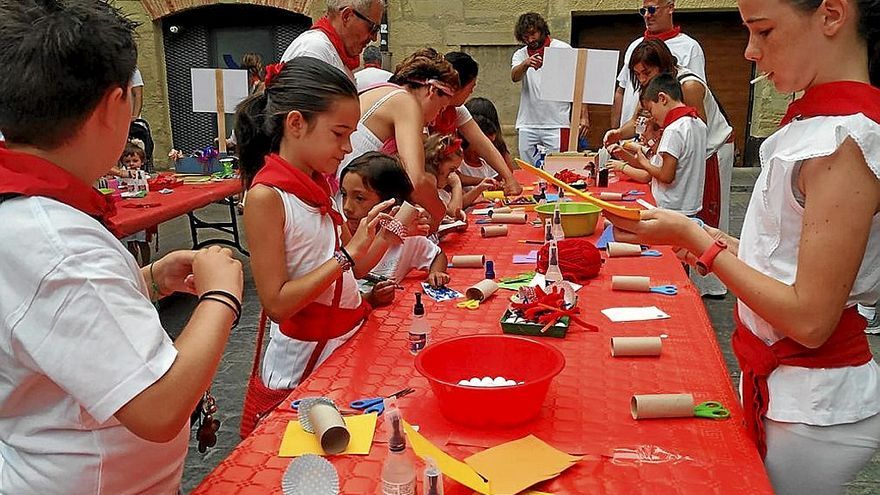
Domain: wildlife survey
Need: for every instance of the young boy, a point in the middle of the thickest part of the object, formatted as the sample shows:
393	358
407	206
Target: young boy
95	398
678	169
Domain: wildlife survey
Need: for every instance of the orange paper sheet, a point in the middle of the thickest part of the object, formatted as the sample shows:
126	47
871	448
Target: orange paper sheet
514	466
297	441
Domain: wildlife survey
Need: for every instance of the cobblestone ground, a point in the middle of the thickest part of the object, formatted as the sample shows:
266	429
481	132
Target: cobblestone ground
231	378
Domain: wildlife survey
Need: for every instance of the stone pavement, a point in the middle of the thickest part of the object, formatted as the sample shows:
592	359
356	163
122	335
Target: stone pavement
232	375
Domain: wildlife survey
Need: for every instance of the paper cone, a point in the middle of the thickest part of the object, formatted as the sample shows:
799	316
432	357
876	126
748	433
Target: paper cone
631	283
494	231
329	428
510	218
662	406
610	196
468	261
620	249
636	346
482	290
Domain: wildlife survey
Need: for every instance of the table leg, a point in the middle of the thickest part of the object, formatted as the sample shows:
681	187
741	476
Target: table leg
230	227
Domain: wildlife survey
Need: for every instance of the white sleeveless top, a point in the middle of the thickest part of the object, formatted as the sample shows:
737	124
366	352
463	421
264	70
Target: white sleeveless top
719	128
309	241
362	139
770	241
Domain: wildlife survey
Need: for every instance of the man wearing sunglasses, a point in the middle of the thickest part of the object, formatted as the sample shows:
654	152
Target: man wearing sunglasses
341	35
657	15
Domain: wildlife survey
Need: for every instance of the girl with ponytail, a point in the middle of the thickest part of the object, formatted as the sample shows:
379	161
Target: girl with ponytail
305	261
810	246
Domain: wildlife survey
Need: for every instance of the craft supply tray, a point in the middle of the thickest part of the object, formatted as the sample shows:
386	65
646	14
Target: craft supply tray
533	329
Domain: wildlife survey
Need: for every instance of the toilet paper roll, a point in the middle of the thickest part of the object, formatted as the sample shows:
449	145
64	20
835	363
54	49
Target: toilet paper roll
494	231
490	195
662	406
636	346
510	218
482	290
631	283
329	428
610	196
468	261
620	249
406	214
502	209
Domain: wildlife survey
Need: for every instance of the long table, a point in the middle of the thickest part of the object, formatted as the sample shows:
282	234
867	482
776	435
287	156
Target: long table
136	214
587	410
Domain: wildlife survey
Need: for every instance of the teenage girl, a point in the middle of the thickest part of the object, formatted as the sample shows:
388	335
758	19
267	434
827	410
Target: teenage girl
304	261
810	246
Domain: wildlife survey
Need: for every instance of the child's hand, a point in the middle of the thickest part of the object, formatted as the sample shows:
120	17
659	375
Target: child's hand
174	273
214	268
366	231
618	151
438	279
611	137
382	293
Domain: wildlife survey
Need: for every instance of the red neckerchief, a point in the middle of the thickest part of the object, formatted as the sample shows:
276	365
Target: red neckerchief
313	191
539	50
323	24
836	99
664	36
28	175
445	121
678	113
847	346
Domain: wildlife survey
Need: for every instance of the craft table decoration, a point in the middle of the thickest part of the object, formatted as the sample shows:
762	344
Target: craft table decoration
493	231
468	261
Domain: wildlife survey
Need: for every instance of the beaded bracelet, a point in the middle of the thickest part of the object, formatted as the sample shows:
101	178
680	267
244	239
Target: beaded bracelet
394	226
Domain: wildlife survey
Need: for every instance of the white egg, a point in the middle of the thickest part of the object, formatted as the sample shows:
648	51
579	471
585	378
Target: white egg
499	381
487	381
475	382
509	383
464	382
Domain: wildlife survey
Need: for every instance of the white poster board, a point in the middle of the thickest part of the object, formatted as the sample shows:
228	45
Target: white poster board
600	75
204	89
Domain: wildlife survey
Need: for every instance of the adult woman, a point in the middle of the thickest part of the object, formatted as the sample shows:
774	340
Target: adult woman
394	115
811	390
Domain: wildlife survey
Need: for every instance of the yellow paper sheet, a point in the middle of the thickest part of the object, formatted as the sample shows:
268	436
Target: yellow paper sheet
514	466
297	441
447	464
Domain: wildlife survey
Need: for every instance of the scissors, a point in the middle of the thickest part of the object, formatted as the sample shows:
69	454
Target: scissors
666	290
377	404
634	192
711	410
653	253
472	304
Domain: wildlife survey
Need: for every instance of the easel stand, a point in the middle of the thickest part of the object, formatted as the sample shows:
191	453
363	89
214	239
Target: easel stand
221	112
577	98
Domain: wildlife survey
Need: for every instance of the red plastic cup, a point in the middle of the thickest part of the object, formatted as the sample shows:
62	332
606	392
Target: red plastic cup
520	359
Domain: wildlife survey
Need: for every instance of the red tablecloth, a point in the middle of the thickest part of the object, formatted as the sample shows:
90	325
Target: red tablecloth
184	199
587	410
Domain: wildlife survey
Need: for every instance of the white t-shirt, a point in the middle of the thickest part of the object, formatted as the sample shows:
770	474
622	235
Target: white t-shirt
309	241
770	242
484	171
685	139
79	339
314	43
137	79
534	112
370	76
718	128
462	116
687	52
416	253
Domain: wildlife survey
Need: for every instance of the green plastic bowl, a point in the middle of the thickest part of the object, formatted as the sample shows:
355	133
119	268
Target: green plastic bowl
578	219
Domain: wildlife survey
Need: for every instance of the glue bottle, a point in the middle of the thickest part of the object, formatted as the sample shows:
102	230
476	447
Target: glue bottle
432	484
540	156
558	233
554	274
398	472
418	328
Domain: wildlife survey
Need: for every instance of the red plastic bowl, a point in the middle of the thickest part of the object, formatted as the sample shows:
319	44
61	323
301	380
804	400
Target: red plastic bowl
516	358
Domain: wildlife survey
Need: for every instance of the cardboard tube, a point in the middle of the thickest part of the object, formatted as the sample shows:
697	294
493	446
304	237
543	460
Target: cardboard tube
611	196
490	195
406	214
329	428
634	147
631	283
468	261
482	290
620	249
502	209
636	346
662	406
510	218
494	231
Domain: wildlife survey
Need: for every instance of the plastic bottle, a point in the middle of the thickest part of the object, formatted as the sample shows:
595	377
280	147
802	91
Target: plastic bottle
558	233
548	231
554	274
432	484
490	270
641	126
541	156
398	472
418	328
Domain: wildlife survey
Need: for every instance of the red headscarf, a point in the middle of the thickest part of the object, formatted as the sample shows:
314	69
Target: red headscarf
323	24
664	36
678	113
540	49
836	99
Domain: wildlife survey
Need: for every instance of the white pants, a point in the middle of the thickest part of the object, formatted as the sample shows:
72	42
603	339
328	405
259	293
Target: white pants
530	138
818	460
710	285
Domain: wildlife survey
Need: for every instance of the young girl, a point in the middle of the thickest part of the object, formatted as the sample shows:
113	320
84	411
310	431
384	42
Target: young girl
305	264
367	181
132	161
443	156
810	246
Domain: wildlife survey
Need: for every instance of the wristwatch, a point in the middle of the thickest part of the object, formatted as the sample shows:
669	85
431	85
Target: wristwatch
704	263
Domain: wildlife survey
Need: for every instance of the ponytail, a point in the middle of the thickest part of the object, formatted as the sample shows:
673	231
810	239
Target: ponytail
303	84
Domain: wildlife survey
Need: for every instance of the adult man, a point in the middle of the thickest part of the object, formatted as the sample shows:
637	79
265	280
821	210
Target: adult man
539	122
340	36
372	73
137	94
658	24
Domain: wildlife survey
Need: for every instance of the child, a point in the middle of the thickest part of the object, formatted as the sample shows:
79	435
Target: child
132	161
678	169
443	156
305	264
810	246
93	390
474	168
367	181
485	108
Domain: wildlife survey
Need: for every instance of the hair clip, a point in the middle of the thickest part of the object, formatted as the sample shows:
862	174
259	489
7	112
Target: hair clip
272	71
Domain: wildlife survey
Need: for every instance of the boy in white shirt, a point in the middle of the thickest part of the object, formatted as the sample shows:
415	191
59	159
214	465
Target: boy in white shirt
95	397
677	171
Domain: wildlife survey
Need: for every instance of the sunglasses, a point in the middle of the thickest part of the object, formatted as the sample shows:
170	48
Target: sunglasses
650	9
374	28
